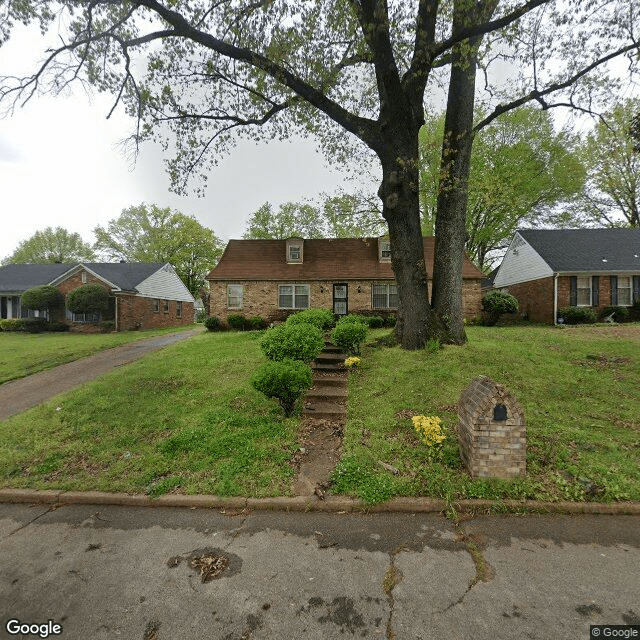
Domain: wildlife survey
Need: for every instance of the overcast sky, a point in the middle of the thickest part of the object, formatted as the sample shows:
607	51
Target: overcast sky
61	165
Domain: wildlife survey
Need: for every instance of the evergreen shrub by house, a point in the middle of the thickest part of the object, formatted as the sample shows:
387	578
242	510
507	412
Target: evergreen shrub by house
13	324
321	318
89	298
294	341
577	315
257	322
236	321
375	322
495	303
213	324
390	321
349	334
285	380
43	297
620	314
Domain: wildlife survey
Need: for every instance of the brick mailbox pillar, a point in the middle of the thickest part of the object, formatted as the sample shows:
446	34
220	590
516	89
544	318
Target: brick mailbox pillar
493	441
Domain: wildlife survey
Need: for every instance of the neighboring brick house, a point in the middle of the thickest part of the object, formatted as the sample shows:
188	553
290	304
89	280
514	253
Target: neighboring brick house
274	278
143	295
549	269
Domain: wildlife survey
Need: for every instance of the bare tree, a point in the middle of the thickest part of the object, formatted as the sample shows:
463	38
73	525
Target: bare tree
199	74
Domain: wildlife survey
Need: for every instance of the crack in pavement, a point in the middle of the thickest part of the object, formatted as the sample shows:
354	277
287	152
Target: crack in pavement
26	524
392	578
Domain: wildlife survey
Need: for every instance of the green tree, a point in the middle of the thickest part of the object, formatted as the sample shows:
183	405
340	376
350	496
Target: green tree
151	234
52	245
292	219
353	73
44	297
612	193
520	170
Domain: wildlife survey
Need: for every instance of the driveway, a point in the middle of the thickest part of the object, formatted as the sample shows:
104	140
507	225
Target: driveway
19	395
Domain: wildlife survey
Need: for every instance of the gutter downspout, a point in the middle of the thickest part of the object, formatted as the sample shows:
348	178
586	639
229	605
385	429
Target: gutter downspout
116	297
555	299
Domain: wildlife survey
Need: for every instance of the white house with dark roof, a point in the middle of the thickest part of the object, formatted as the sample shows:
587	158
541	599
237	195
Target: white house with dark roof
143	295
549	269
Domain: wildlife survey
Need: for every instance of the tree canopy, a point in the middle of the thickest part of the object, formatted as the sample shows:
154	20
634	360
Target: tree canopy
355	74
339	216
147	233
520	170
52	245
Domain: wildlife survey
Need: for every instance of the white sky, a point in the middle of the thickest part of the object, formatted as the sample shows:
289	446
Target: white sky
60	165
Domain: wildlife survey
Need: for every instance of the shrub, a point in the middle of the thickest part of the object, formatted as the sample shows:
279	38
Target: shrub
13	324
257	322
35	325
59	326
390	321
321	318
89	298
349	334
620	314
285	380
375	322
237	321
353	317
107	326
577	315
296	342
45	296
495	303
213	324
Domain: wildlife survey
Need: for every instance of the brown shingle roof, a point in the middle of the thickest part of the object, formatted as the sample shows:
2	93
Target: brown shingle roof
324	259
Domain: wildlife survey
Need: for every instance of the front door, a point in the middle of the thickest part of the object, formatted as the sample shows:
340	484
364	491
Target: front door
340	300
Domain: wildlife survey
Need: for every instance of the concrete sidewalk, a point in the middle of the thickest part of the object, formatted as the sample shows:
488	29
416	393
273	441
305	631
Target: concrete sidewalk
19	395
124	572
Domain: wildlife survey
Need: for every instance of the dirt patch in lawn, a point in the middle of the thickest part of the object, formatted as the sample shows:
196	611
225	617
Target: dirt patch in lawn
320	447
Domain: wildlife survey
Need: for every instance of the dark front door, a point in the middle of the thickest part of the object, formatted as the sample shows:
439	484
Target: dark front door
3	308
340	300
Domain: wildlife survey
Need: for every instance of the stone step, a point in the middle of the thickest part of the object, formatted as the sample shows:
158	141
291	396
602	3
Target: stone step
321	366
328	358
332	381
320	391
329	348
324	410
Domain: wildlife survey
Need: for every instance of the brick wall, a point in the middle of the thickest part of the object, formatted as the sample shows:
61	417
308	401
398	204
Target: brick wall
261	298
535	299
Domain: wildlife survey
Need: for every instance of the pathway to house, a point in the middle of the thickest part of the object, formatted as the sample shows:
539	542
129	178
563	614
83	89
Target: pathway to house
323	421
19	395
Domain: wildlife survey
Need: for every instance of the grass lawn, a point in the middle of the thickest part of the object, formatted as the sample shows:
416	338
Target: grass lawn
22	354
184	419
578	386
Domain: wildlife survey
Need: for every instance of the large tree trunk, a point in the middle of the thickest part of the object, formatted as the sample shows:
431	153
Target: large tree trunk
451	215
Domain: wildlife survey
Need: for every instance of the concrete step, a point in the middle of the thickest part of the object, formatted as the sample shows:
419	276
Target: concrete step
324	410
319	392
328	358
332	381
322	366
329	348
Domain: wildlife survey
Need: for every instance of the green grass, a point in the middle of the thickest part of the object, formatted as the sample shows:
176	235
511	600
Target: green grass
183	419
582	413
22	354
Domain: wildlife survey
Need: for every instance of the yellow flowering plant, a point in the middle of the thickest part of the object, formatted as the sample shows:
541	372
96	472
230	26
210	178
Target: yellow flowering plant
429	430
353	361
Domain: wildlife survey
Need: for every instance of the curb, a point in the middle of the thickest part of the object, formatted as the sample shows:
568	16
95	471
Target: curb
332	504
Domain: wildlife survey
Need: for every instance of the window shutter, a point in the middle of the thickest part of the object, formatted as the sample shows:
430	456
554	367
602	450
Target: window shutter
595	291
573	291
614	291
636	289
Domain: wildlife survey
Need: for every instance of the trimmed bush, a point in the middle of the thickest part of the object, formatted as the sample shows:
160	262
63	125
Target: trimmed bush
59	326
35	325
107	326
390	321
495	303
237	321
13	324
348	334
286	380
321	318
295	341
620	314
213	324
43	297
353	317
256	323
375	322
89	298
577	315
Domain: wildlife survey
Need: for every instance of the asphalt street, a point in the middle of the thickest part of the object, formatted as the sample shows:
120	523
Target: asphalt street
103	572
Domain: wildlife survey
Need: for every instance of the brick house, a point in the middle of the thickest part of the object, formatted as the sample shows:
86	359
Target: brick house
548	269
274	278
143	295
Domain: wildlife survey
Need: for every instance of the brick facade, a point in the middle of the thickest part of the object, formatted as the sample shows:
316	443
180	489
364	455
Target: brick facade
260	298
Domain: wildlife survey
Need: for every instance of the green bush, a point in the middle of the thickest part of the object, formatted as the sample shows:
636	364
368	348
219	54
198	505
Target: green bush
35	325
353	317
89	298
577	315
348	334
321	318
43	297
286	380
59	326
257	322
375	322
13	324
495	303
201	316
107	326
237	321
295	341
213	324
620	314
390	321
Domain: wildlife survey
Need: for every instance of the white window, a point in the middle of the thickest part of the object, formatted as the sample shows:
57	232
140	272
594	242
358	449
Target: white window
83	277
384	295
178	308
624	291
156	306
584	291
385	250
85	318
235	296
293	296
294	252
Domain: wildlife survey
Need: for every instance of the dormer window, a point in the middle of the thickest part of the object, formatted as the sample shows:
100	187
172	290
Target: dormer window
384	249
295	250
